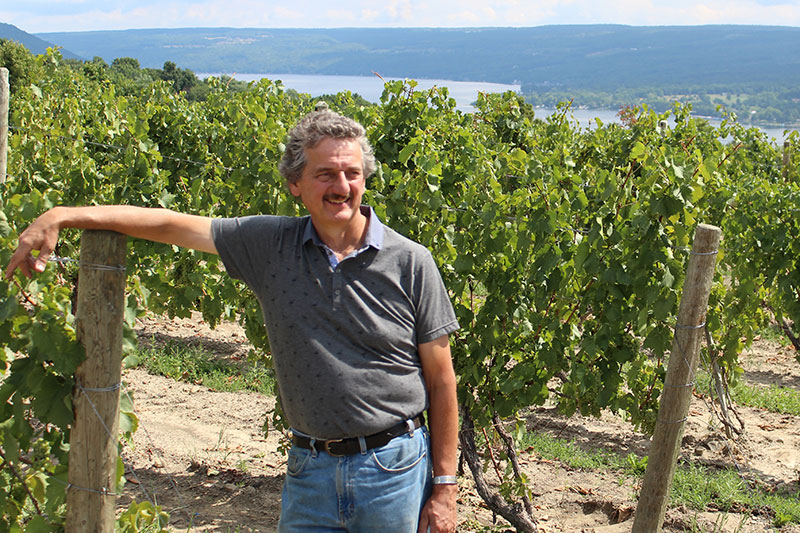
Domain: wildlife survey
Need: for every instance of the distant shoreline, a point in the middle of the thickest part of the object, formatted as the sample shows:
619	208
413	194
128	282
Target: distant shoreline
371	87
464	92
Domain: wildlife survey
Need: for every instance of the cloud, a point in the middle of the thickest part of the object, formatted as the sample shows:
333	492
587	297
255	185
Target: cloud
76	15
482	16
401	10
369	15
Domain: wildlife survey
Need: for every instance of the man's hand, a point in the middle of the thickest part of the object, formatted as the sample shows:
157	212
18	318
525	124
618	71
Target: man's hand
439	512
42	235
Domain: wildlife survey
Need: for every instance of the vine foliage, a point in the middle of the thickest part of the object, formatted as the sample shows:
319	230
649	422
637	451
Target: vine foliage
563	247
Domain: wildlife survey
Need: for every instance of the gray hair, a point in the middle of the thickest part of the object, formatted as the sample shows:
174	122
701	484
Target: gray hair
311	130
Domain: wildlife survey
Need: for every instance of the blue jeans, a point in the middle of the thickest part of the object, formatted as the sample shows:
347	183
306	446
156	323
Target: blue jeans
382	489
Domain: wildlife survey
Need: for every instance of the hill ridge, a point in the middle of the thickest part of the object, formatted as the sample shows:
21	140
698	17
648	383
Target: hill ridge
602	56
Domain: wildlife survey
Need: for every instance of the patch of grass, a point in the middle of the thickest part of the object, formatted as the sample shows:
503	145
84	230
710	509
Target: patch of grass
772	398
700	487
719	524
569	453
193	364
697	487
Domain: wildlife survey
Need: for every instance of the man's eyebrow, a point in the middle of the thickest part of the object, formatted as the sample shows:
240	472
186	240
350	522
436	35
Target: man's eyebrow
327	168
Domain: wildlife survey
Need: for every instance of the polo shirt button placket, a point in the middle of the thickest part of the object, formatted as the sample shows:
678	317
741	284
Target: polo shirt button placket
337	288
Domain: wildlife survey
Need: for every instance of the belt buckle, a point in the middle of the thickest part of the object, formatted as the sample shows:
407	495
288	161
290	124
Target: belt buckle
328	450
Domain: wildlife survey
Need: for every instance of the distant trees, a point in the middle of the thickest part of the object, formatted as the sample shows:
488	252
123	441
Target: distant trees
21	64
777	105
182	80
129	77
125	73
129	68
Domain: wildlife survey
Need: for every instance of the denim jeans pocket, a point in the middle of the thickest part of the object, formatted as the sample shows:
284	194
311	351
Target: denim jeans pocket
297	460
401	454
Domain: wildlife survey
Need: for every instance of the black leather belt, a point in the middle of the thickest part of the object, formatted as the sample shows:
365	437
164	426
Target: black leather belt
350	446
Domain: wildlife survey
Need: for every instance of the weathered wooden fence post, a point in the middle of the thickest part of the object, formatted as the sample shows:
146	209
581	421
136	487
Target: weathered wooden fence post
679	382
92	487
4	97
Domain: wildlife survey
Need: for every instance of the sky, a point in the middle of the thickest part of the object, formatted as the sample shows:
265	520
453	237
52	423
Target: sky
39	16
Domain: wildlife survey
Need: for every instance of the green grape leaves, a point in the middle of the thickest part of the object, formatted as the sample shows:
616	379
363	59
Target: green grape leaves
563	248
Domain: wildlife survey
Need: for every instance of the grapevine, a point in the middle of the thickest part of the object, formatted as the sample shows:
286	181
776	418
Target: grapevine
563	248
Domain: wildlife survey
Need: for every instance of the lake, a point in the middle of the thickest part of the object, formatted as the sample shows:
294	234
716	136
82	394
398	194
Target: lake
464	92
371	87
586	117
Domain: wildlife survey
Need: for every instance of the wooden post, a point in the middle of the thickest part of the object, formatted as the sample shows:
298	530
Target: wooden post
93	440
787	159
4	96
678	383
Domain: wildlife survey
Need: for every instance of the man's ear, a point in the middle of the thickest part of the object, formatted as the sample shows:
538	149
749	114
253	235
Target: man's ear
293	188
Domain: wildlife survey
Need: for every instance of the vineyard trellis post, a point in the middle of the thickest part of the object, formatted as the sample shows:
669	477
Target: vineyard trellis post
679	381
4	98
91	488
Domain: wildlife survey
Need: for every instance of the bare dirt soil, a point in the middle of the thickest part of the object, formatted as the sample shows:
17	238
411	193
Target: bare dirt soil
202	455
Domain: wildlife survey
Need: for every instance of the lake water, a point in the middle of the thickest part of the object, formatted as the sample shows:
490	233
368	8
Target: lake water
586	118
464	92
371	87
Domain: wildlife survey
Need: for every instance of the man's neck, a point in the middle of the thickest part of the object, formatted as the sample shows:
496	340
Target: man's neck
346	239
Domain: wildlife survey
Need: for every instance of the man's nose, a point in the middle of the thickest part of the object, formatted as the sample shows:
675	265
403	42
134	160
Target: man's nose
340	184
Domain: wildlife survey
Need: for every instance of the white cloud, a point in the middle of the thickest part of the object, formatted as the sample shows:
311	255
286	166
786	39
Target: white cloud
369	15
482	16
76	15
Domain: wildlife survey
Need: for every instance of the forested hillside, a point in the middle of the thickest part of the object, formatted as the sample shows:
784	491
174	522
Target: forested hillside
600	57
31	42
753	71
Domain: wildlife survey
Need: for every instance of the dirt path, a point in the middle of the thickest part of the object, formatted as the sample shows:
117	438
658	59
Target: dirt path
202	455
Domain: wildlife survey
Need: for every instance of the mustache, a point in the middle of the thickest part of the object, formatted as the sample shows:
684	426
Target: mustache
337	197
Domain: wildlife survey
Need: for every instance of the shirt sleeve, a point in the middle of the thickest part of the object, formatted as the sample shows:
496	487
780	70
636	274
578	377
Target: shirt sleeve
247	244
434	314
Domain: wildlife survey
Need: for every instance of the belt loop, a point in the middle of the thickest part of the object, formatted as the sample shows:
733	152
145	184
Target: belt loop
362	442
410	424
313	447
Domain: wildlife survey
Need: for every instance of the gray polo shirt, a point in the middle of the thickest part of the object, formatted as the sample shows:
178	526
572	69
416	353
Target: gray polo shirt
344	339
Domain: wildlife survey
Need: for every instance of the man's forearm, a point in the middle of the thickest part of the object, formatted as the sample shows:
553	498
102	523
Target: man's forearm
439	512
153	224
160	225
443	414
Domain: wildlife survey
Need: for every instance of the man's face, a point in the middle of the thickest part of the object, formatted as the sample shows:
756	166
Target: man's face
332	183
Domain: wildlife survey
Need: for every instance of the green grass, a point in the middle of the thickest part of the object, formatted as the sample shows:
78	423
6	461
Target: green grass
570	454
193	364
695	486
772	398
700	487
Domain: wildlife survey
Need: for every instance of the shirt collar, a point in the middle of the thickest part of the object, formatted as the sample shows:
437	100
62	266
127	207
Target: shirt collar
374	236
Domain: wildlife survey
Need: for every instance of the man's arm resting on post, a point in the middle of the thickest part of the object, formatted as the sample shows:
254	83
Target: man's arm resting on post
439	512
160	225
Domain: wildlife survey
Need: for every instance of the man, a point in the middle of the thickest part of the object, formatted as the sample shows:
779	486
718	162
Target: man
358	322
